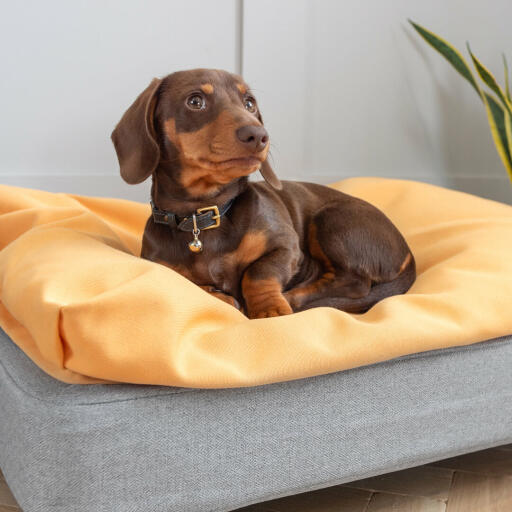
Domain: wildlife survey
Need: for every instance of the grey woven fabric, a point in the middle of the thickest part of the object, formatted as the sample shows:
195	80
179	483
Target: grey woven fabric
120	448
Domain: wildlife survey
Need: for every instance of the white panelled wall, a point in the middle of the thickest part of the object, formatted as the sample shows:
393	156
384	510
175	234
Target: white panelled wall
71	68
345	86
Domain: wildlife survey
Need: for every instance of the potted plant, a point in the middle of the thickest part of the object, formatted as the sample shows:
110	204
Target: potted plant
498	107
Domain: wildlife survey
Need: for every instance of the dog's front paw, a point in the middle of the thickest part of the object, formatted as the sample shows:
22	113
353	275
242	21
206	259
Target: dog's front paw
278	307
263	298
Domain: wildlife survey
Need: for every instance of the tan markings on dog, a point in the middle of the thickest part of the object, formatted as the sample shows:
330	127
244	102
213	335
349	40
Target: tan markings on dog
264	298
315	249
300	294
204	153
241	88
199	181
197	144
207	88
297	296
251	247
170	130
405	263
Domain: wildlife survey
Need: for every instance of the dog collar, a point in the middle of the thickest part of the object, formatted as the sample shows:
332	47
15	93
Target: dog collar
202	219
206	218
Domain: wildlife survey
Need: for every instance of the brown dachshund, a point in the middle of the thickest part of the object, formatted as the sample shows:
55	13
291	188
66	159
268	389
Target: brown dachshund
267	248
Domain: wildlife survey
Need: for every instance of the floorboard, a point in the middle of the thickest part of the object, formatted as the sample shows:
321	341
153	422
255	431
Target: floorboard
480	493
382	502
496	461
423	481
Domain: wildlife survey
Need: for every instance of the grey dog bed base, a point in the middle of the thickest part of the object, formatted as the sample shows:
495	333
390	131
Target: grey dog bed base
124	448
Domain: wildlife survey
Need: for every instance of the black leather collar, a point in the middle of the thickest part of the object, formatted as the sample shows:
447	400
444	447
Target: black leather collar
206	218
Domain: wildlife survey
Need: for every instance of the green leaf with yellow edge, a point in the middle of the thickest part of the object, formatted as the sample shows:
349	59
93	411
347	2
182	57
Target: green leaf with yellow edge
489	79
507	86
499	118
508	131
450	53
499	122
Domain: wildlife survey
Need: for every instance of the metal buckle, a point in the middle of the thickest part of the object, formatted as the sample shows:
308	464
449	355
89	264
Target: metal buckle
216	217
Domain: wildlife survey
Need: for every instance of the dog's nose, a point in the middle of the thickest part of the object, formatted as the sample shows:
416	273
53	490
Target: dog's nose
253	137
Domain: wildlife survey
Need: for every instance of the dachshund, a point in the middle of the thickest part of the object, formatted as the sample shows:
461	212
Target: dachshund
268	248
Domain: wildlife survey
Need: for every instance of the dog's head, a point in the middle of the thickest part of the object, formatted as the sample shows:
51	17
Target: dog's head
201	127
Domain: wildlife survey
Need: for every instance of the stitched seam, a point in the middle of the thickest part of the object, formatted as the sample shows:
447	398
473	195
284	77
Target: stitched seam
477	345
56	402
428	354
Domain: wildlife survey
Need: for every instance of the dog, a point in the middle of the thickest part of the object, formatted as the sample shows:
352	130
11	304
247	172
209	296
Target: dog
267	248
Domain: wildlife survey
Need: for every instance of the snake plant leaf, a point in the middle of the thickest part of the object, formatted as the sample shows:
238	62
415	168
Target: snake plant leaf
508	130
501	130
450	53
489	79
507	86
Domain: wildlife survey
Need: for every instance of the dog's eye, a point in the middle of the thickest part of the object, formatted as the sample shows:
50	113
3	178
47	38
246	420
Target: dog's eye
196	102
250	104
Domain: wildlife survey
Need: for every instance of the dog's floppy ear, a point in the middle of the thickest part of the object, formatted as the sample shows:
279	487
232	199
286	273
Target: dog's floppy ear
134	137
270	176
266	170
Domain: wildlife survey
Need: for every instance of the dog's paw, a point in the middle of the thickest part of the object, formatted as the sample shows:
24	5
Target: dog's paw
294	298
277	308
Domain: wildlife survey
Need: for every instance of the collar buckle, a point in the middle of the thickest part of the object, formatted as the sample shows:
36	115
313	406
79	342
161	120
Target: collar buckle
215	216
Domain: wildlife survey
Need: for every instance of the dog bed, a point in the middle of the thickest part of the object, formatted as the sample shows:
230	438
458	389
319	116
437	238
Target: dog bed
126	448
78	301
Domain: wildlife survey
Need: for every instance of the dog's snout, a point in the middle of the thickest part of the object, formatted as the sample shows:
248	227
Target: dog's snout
253	137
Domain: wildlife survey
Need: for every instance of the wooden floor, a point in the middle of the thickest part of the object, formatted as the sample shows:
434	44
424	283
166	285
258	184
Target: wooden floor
477	482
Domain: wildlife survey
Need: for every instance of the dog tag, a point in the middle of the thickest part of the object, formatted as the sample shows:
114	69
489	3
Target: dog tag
196	245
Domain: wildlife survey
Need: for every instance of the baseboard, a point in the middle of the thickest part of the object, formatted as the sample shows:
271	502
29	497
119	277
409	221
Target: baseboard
85	185
498	188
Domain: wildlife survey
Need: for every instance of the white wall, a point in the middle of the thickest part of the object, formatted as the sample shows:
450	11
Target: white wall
71	68
346	87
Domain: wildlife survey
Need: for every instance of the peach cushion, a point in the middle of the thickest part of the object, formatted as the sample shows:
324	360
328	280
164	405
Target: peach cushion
77	299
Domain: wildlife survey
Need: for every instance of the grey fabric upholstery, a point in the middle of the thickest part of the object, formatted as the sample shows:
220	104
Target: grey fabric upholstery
123	448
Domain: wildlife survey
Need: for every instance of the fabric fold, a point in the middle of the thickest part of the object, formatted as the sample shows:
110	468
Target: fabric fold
78	300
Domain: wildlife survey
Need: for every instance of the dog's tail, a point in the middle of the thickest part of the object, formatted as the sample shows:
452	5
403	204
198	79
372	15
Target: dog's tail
377	292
